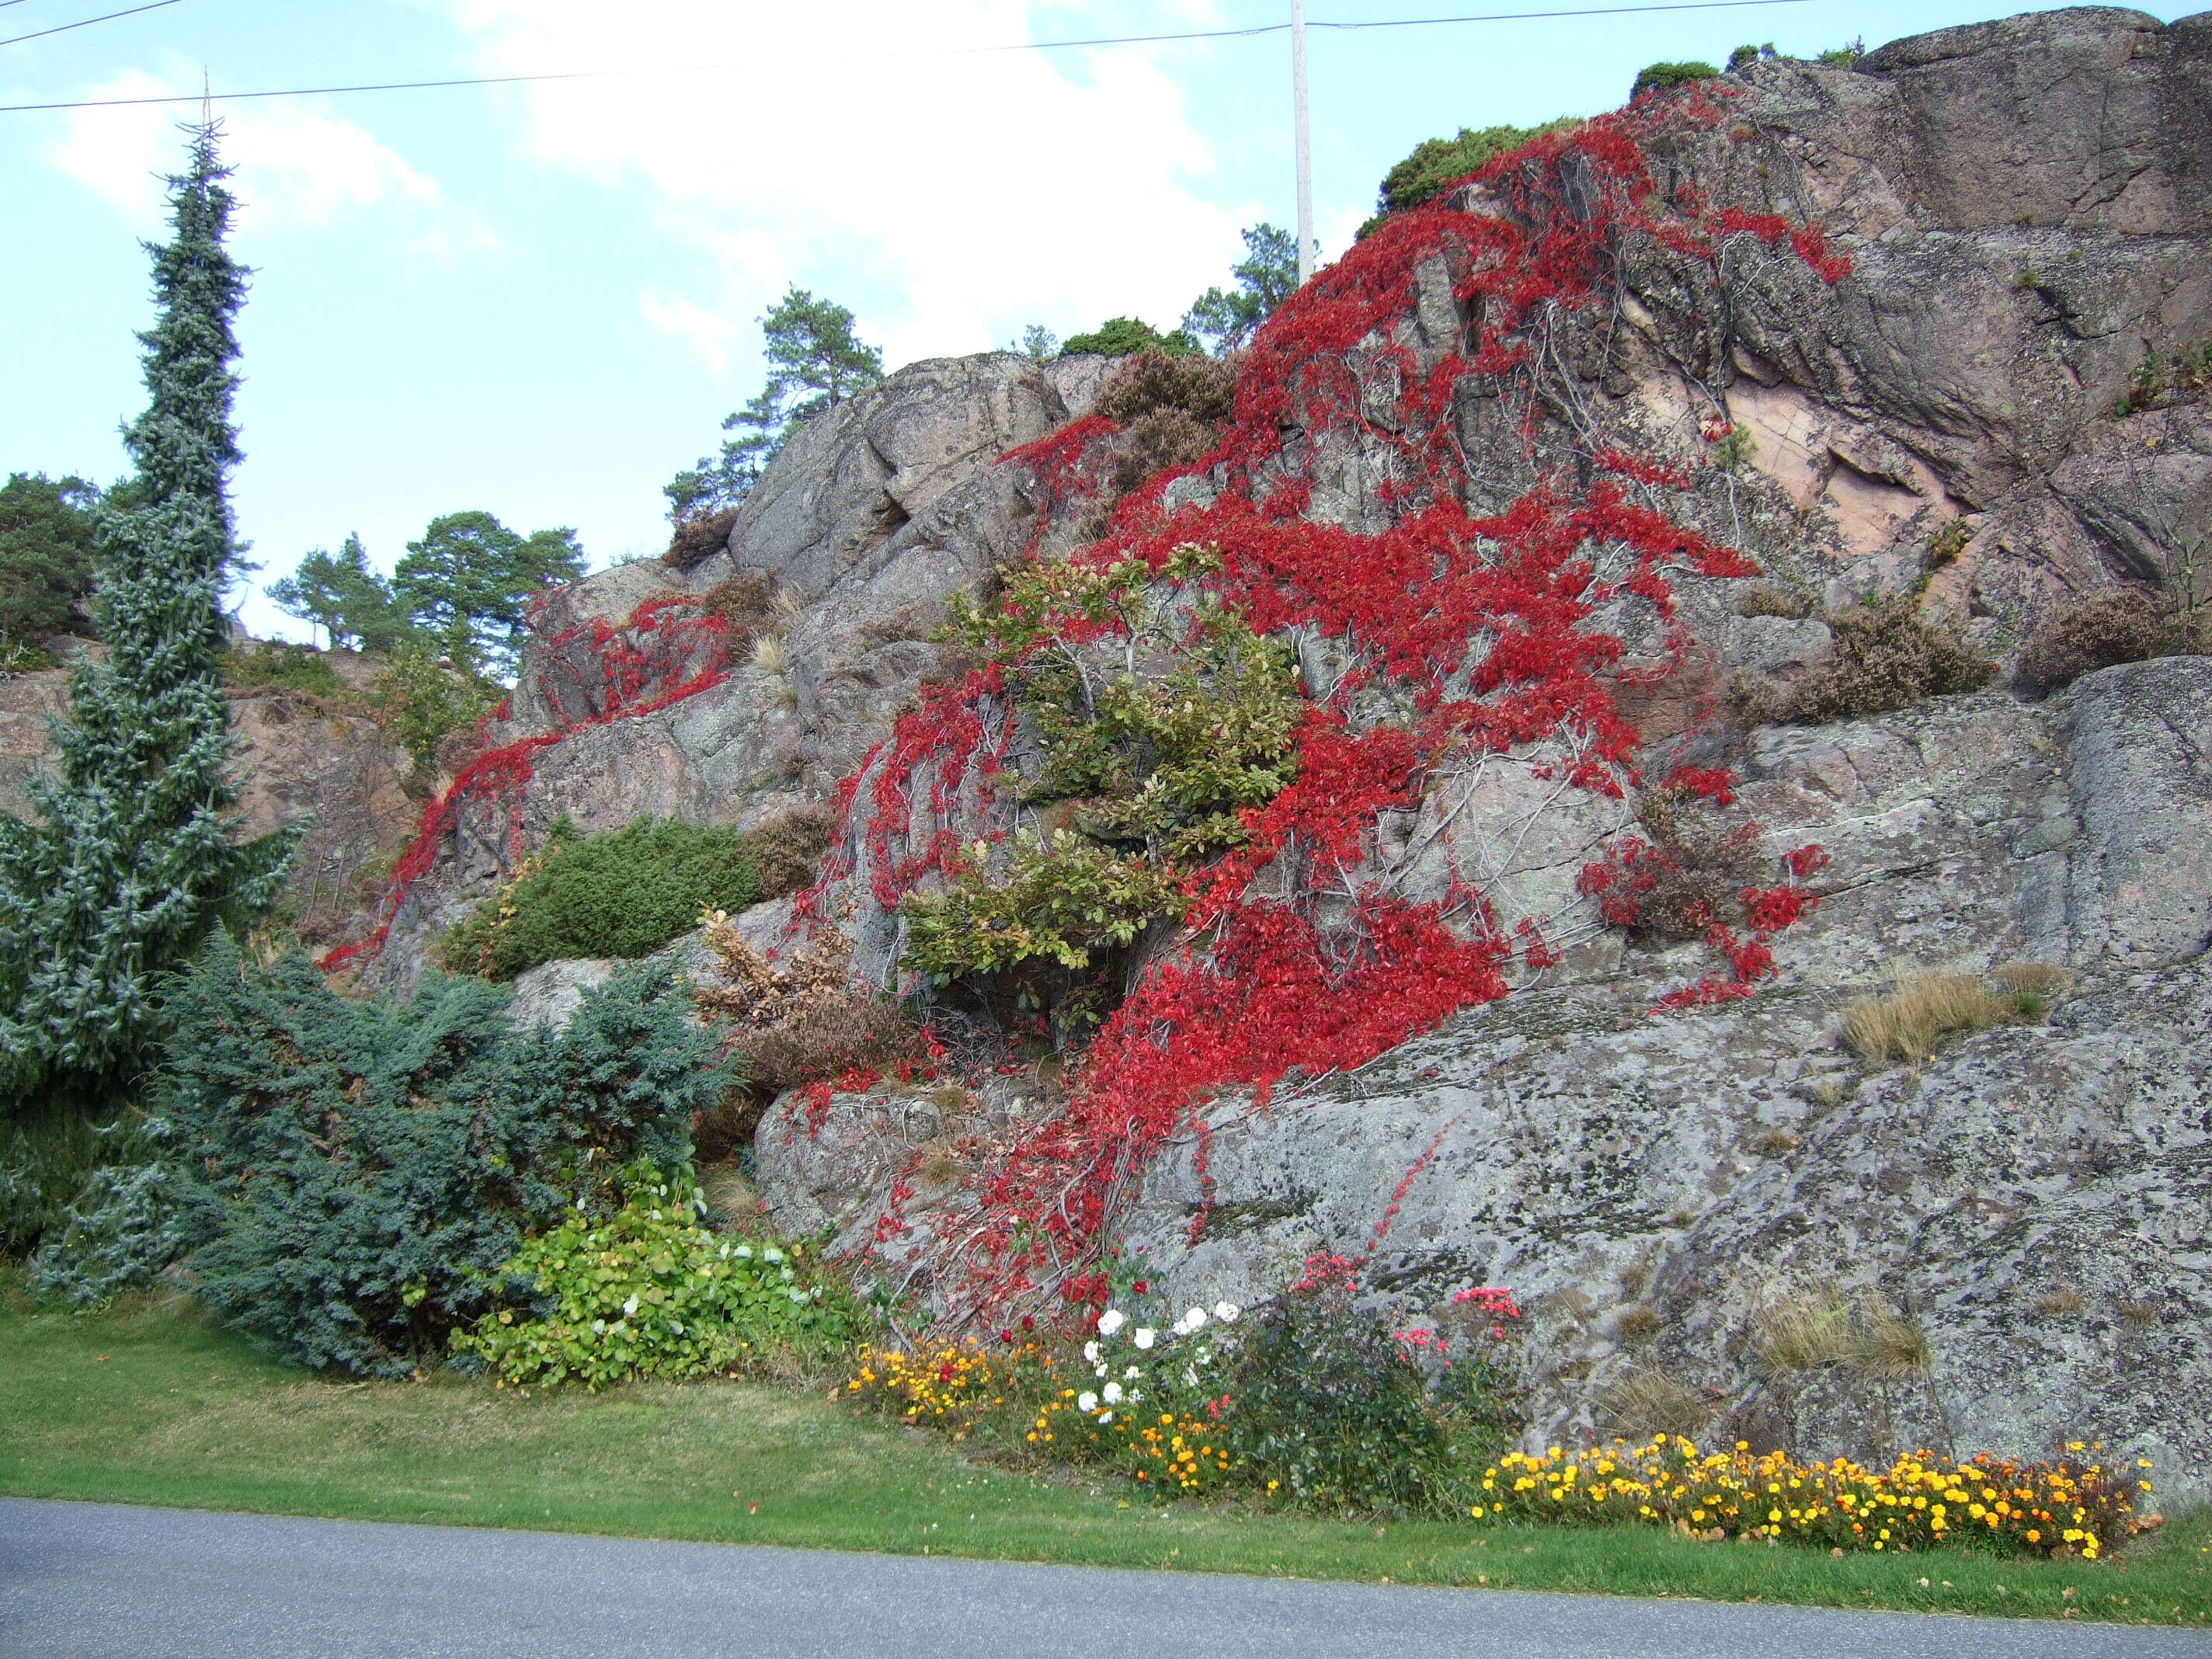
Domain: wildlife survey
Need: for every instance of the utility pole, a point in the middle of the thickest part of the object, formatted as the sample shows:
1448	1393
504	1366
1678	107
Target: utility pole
1303	139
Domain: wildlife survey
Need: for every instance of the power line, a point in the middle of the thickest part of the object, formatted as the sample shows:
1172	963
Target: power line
85	23
1027	45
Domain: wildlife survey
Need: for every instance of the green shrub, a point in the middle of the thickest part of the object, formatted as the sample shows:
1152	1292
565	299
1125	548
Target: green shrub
46	1156
275	665
1061	898
1665	77
623	894
1437	163
1844	57
1330	1406
648	1291
367	1169
1121	337
127	1223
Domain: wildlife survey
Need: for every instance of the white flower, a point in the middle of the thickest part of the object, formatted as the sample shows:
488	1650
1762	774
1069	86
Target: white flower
1132	1374
1086	1401
771	1254
1143	1337
1226	1312
1111	1320
746	1251
1105	1417
1098	1369
675	1328
800	1296
1090	1352
656	1215
598	1328
630	1306
1193	1319
1112	1394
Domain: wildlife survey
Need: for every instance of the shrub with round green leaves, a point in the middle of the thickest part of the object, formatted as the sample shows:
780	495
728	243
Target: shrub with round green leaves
649	1291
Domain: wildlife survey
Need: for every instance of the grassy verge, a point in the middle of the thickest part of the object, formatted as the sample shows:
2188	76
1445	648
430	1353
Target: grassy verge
148	1404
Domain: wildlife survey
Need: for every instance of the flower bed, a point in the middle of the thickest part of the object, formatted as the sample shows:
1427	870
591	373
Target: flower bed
2068	1506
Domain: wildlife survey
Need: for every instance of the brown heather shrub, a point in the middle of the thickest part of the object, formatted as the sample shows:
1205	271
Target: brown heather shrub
1702	865
802	1020
699	537
746	601
1905	1024
1157	441
787	848
1886	657
1768	599
855	1031
1204	388
2085	634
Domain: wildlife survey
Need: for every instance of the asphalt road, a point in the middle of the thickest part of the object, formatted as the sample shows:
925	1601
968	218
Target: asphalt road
95	1581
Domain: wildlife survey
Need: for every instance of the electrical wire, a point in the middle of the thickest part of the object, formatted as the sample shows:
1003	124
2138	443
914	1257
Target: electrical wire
1027	45
86	23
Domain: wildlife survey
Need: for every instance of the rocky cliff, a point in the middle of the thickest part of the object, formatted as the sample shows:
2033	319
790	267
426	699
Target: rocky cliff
298	756
1556	490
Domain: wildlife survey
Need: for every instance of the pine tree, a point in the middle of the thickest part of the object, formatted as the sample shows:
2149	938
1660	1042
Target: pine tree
137	858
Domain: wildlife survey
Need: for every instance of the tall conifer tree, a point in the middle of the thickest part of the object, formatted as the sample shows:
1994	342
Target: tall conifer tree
137	856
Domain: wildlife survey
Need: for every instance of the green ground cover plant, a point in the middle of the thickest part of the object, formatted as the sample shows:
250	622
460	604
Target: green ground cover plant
148	1401
650	1292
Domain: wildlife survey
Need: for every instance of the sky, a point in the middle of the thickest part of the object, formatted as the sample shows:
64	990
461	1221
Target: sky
540	299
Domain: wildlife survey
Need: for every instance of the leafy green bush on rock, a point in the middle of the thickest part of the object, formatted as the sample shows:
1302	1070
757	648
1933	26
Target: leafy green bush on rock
1121	337
1437	162
648	1291
366	1169
623	894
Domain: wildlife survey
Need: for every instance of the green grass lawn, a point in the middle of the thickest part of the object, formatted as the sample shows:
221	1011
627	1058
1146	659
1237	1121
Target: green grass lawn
149	1404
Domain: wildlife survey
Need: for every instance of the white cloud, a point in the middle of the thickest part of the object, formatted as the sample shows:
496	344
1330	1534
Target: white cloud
840	146
298	163
709	333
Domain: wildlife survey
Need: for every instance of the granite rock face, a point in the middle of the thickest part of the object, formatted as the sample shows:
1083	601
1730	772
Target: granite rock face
2025	209
300	757
870	520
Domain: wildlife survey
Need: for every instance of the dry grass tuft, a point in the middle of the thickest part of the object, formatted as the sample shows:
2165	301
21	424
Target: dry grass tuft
1892	1344
2040	978
2057	1303
1647	1402
1636	1324
1904	1024
1801	1333
768	655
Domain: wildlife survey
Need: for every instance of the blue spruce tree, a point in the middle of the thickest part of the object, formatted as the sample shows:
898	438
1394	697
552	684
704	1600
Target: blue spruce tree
137	856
